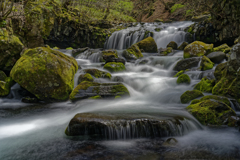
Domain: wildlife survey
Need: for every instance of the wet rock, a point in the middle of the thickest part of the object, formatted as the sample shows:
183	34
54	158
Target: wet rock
112	56
188	96
183	79
95	73
217	57
206	64
11	48
90	89
205	85
235	52
76	52
182	46
132	53
173	45
5	86
217	98
46	73
118	79
212	112
3	76
219	71
179	73
147	69
85	77
122	126
165	51
114	66
197	49
148	45
188	38
187	64
143	61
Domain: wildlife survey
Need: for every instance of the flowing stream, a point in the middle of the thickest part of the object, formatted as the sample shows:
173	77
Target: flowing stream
36	131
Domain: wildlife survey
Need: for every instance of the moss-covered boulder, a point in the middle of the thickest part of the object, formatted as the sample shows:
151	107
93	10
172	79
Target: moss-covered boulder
132	53
190	95
110	52
212	112
148	45
228	81
97	73
114	67
179	73
197	49
85	77
223	48
5	86
46	73
217	57
206	63
166	51
205	85
182	46
183	79
187	64
90	89
10	49
217	98
3	76
173	45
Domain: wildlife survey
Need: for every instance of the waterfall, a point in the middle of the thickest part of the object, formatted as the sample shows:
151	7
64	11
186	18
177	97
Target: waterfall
168	32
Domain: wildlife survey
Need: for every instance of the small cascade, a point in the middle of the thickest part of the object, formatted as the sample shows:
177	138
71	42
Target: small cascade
162	34
91	54
235	105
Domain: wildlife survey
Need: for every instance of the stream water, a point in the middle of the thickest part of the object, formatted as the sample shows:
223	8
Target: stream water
36	131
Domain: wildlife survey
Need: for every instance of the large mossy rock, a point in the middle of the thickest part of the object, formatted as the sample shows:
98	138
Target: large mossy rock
96	73
91	89
213	112
114	67
217	57
132	53
183	79
85	77
197	49
173	45
187	64
205	85
46	73
206	63
188	96
228	81
148	45
10	49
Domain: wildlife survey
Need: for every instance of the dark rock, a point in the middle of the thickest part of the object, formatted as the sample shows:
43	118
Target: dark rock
217	57
182	46
187	64
235	52
29	100
75	52
118	79
173	45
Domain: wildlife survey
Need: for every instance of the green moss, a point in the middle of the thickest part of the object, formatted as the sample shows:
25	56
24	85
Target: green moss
148	45
110	52
69	48
132	52
179	73
222	48
85	77
205	85
117	97
218	98
120	90
167	50
96	97
190	95
173	45
197	49
206	63
55	48
157	29
211	112
114	67
46	73
195	101
183	79
176	7
3	76
5	86
98	74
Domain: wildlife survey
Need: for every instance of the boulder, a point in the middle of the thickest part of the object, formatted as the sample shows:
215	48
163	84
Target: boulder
217	98
206	64
179	73
187	64
3	76
29	100
114	67
172	45
46	73
217	57
90	89
11	48
148	45
235	52
183	79
166	51
125	125
85	77
5	86
205	85
212	112
182	46
112	56
132	53
76	52
97	73
190	95
197	49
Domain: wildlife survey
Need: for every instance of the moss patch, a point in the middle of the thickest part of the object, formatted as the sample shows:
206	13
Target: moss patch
114	67
132	53
223	48
190	95
183	79
148	45
206	63
97	73
179	73
197	49
205	85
